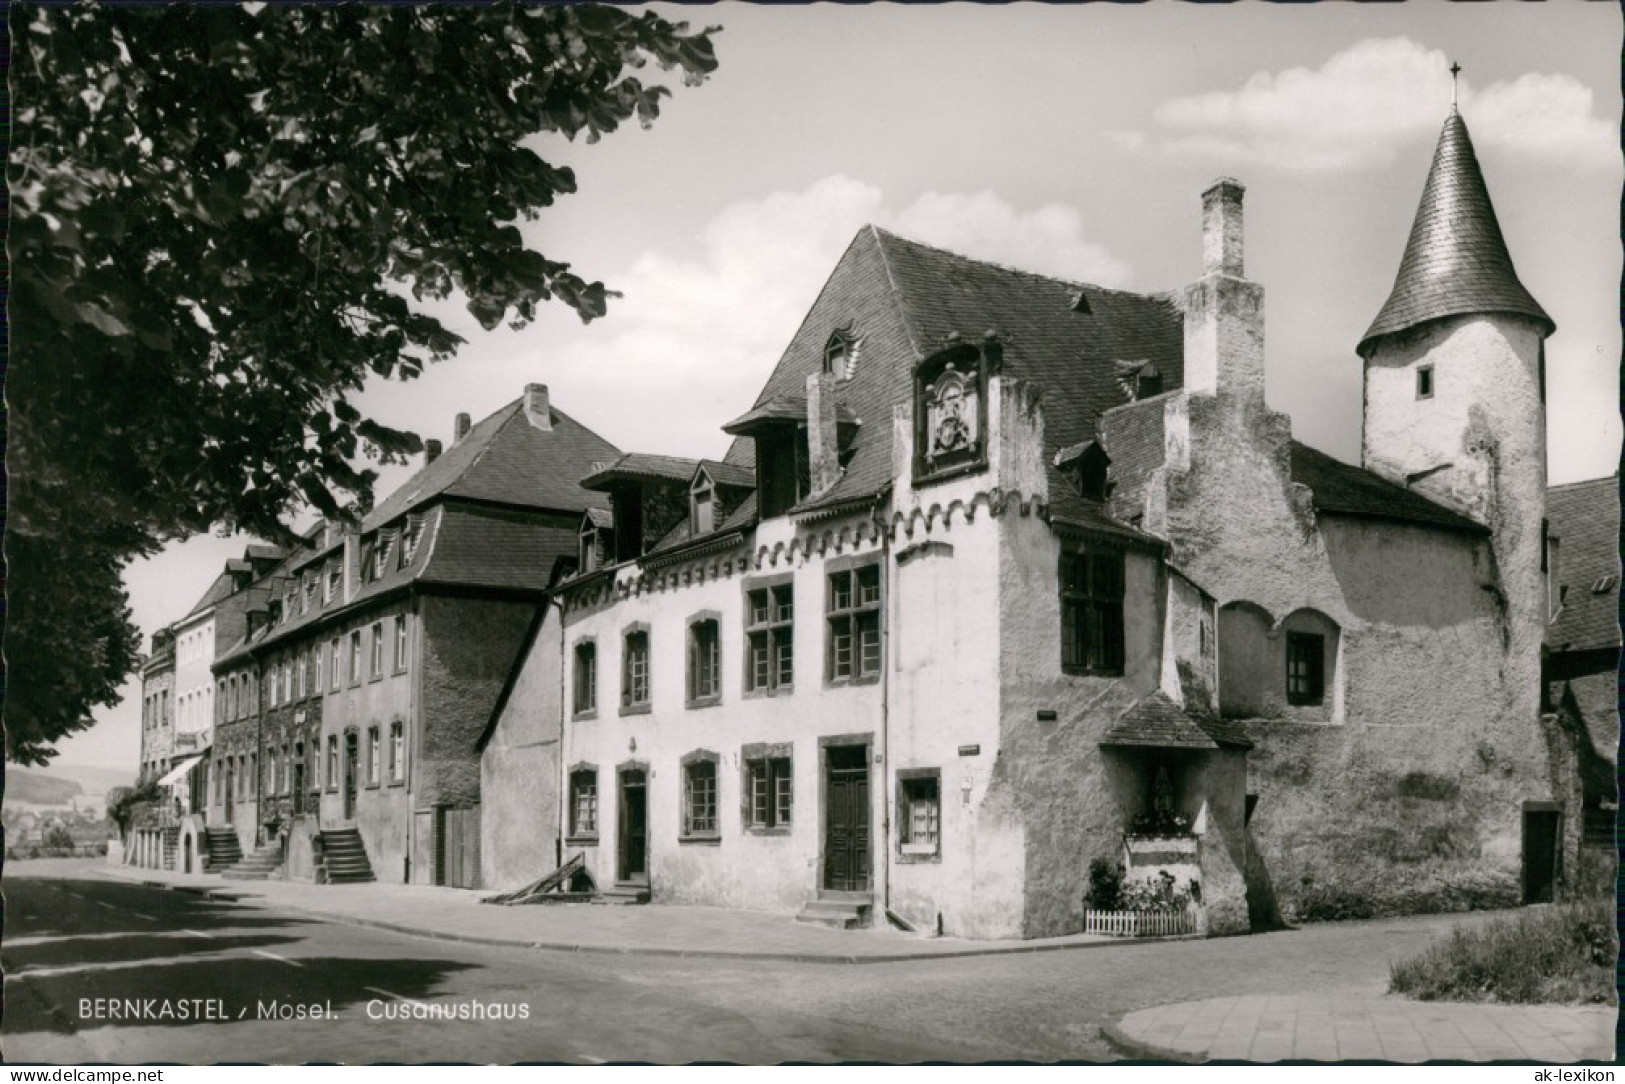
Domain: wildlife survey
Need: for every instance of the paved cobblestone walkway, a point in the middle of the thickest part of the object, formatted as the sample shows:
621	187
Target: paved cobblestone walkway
1307	1028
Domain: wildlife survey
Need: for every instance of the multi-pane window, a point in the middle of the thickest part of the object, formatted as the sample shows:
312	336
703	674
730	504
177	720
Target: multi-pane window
377	649
700	797
584	802
304	675
1092	611
769	623
397	752
635	669
373	766
316	685
854	623
770	792
586	678
355	657
287	682
332	762
1305	668
400	643
704	660
333	666
919	814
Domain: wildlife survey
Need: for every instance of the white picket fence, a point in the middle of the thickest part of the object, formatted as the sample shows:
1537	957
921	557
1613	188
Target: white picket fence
1139	923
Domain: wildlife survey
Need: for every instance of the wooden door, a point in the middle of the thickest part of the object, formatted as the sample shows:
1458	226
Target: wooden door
1542	852
846	831
633	850
458	848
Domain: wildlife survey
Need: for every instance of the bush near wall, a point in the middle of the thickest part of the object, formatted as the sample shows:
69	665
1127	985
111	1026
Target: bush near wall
1562	953
1382	890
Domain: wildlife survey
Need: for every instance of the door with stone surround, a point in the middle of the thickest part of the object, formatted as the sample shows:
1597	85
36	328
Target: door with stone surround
846	819
632	851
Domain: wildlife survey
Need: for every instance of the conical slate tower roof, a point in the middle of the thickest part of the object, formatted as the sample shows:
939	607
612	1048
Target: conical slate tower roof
1456	261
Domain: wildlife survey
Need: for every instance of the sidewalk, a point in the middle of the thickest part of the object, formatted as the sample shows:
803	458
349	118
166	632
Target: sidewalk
454	914
1305	1028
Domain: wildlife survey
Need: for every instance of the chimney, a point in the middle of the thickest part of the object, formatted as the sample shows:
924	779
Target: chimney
1224	312
538	409
431	451
460	426
823	451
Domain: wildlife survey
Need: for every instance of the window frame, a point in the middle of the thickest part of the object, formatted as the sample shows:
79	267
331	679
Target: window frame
397	753
578	834
1105	598
335	659
403	644
332	765
1308	648
855	614
694	697
355	657
375	663
774	763
584	706
777	634
908	850
1426	382
630	705
691	763
375	774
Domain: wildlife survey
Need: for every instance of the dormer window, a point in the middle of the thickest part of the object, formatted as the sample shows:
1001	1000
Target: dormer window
409	539
702	505
1148	382
335	577
950	412
841	355
1087	465
783	473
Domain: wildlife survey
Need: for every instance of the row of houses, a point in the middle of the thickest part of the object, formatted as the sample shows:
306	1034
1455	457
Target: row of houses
1001	576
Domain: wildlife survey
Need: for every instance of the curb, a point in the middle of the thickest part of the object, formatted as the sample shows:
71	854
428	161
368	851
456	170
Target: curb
230	896
1140	1050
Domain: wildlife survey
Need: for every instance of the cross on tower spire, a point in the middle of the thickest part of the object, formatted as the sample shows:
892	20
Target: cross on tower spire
1455	82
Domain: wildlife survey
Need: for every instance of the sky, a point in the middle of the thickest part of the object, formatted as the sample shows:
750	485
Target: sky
1072	140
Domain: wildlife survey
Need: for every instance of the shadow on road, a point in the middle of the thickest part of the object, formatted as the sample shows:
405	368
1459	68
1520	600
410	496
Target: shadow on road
121	948
65	908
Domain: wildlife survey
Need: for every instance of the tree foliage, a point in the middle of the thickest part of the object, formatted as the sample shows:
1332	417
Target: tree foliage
218	215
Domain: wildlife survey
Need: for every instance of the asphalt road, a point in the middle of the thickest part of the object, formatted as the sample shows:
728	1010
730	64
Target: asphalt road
73	937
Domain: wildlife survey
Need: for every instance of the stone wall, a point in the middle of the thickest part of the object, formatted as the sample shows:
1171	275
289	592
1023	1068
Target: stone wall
520	770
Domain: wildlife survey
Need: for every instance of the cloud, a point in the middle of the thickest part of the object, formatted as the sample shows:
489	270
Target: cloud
693	337
1365	103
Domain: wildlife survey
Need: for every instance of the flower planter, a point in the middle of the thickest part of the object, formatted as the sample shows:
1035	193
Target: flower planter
1141	923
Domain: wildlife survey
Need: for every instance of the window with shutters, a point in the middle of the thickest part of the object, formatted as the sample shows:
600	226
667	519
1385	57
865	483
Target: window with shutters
769	790
769	638
699	796
635	670
584	803
1091	582
585	701
704	661
853	624
919	813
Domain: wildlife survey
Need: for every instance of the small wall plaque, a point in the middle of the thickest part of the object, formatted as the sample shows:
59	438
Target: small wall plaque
1047	715
969	750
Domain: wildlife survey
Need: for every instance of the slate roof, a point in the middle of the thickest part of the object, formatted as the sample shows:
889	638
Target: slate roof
783	408
1584	518
218	592
905	299
1456	260
506	460
478	548
729	475
1157	722
639	466
1344	489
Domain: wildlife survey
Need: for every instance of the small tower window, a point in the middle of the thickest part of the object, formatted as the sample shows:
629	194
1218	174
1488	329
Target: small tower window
1424	382
1148	382
839	353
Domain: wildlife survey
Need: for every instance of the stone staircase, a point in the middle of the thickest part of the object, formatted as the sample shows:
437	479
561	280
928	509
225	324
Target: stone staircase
344	858
259	866
838	910
623	895
221	849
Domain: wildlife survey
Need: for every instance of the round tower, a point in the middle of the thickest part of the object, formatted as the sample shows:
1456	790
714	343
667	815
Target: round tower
1455	378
